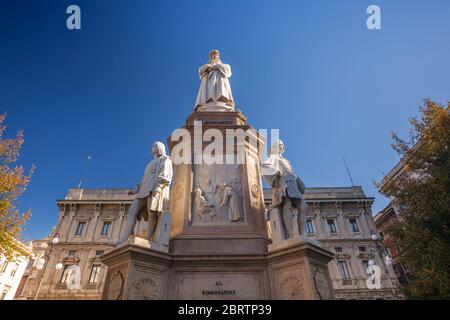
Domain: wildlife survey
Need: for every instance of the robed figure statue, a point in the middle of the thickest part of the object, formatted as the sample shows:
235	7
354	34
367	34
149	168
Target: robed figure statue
287	190
152	193
215	90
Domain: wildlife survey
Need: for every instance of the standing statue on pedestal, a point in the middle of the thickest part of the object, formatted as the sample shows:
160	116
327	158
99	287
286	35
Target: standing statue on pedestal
215	90
152	193
288	201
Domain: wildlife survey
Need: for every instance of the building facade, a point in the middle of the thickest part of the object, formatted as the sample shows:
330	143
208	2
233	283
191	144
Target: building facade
340	219
36	262
11	273
385	218
90	220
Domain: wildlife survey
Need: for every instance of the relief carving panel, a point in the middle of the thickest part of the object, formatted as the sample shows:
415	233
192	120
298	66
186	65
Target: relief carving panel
217	194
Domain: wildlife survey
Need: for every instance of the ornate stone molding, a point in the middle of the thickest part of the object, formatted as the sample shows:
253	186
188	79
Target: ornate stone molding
71	259
352	214
62	209
342	256
72	209
329	215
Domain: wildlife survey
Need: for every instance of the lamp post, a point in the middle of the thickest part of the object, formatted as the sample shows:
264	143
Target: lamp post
54	241
388	261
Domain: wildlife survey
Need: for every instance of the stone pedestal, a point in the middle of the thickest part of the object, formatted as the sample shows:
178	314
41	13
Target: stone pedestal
210	231
216	250
136	272
298	270
294	270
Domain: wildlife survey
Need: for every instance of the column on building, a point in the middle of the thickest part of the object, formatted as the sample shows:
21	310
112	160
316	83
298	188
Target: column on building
117	224
65	230
93	223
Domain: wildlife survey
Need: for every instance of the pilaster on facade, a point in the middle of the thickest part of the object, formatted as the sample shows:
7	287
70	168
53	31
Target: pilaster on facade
68	226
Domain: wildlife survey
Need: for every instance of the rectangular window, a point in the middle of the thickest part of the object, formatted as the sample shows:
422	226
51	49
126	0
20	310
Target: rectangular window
5	292
14	270
389	252
80	228
338	249
354	225
72	253
362	249
309	226
64	275
99	252
397	273
365	265
95	274
105	229
3	266
331	226
345	275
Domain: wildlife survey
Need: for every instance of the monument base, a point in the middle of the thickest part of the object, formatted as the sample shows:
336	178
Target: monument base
294	271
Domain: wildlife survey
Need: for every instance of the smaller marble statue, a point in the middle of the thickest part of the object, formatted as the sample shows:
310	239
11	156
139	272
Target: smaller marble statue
73	277
152	193
215	90
230	198
287	191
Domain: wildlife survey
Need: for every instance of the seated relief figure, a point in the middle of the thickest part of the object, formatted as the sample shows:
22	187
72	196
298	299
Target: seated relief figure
202	205
287	190
152	194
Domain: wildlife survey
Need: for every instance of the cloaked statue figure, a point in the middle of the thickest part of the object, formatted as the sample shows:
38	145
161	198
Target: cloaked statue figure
287	190
152	193
215	90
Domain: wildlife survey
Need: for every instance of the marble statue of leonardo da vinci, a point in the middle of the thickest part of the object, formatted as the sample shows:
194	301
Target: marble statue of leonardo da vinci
215	90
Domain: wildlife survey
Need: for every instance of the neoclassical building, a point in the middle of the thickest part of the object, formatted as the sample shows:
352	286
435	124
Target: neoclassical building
90	220
11	273
390	214
340	219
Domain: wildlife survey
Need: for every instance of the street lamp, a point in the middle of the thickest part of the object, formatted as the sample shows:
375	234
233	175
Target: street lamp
42	263
387	262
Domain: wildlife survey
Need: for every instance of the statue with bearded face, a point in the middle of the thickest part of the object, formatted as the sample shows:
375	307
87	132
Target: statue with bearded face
288	200
152	193
215	90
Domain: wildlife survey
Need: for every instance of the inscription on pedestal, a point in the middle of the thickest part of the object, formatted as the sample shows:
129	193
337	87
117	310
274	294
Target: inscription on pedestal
217	287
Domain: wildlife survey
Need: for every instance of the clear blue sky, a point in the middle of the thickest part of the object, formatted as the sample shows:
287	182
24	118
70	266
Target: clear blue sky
129	77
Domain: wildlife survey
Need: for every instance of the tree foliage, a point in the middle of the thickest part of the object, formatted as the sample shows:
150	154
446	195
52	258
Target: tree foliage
422	192
13	182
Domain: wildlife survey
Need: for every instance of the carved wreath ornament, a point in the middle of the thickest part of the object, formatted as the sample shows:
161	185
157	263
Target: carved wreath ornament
292	288
254	188
145	289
